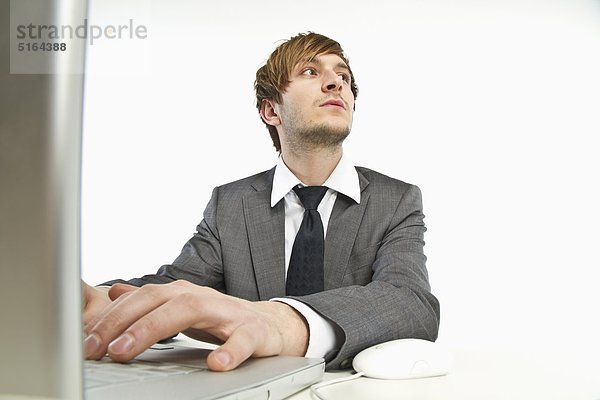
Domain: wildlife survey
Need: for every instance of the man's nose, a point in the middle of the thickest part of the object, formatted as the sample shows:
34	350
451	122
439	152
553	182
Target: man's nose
332	82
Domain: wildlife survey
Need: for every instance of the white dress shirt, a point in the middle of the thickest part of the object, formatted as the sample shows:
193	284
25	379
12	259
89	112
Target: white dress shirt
324	335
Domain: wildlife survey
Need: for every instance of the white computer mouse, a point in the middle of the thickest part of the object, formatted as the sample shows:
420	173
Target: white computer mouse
403	359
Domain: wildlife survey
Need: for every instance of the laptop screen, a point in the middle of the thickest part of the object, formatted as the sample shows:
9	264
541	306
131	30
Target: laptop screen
40	140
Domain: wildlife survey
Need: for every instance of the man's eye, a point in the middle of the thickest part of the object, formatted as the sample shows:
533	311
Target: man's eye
309	71
345	77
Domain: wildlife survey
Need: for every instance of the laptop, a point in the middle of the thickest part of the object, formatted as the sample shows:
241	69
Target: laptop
171	371
40	291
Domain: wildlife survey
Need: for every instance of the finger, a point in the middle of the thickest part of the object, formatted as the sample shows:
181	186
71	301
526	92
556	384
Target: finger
118	289
237	349
103	328
250	339
170	318
101	312
93	302
121	314
90	313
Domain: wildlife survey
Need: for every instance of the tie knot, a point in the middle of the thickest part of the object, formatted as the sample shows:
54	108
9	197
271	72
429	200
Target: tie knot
310	196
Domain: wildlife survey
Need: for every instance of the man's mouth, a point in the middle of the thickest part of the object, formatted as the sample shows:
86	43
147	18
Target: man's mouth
335	103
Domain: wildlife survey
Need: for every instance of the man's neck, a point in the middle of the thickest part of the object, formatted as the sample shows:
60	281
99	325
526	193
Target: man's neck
314	167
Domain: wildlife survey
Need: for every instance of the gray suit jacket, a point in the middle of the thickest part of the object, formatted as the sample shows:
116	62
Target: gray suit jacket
376	283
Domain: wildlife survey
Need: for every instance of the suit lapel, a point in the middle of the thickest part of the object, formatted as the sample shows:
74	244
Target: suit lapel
266	233
342	229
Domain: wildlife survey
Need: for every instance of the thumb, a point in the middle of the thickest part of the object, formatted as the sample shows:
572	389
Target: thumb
240	346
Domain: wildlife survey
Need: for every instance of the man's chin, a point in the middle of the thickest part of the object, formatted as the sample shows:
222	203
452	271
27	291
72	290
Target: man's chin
325	135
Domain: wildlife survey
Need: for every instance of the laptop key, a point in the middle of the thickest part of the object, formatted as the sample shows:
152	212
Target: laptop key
106	372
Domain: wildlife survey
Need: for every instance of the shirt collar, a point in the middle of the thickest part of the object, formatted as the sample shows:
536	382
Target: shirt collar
343	179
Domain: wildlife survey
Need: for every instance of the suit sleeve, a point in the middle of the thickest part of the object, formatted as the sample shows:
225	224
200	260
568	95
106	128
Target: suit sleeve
397	302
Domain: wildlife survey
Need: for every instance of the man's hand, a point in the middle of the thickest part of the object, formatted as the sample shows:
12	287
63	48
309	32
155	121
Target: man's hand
139	317
95	300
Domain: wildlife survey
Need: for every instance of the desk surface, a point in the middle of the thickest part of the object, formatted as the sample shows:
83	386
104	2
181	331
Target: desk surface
507	375
476	374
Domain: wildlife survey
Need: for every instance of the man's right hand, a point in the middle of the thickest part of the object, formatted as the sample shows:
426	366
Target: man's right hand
138	317
95	300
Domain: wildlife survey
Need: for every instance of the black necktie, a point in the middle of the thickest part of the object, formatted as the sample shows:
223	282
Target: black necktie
305	272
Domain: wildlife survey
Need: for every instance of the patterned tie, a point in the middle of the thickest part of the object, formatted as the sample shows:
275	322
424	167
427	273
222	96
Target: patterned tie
305	272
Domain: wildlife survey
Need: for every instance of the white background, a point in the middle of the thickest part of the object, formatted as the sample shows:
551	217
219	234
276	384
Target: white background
491	107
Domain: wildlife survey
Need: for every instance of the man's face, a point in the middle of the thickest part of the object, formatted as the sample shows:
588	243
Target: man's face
317	106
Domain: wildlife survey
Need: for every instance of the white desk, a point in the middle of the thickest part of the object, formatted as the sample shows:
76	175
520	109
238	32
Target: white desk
492	375
553	374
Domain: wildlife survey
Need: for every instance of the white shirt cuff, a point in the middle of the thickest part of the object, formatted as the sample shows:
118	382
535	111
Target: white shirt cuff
324	336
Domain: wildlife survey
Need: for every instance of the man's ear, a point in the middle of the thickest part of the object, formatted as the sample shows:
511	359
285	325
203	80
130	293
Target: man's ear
269	113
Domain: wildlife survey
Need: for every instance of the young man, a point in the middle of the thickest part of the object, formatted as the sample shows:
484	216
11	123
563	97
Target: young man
241	280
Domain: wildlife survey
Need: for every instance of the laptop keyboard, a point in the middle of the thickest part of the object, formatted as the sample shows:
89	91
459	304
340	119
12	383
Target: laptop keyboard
106	372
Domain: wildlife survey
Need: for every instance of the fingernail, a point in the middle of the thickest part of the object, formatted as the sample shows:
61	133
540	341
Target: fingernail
223	358
122	344
91	344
